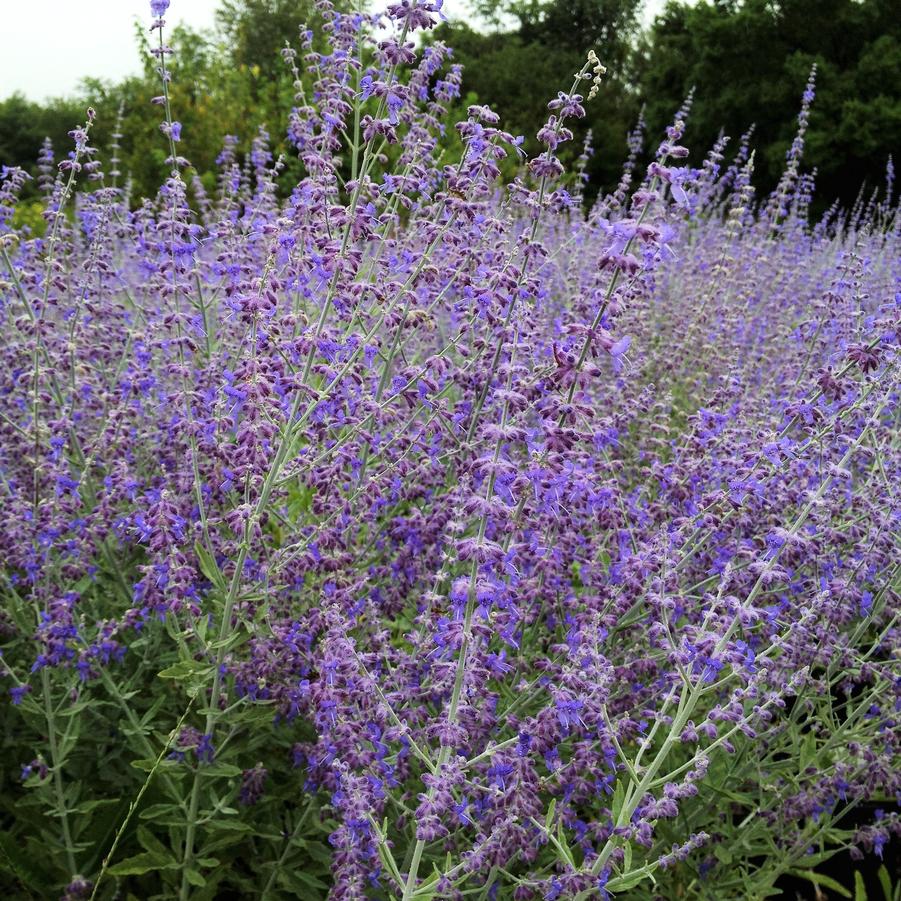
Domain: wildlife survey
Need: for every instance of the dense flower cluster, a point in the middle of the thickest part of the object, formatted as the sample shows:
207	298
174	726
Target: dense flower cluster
510	542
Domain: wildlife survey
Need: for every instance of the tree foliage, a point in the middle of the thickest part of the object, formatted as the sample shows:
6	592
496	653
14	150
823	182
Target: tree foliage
747	61
510	67
255	31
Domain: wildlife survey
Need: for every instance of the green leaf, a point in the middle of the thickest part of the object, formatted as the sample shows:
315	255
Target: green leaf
223	841
232	826
426	890
195	877
151	713
576	570
186	669
300	499
319	852
210	892
89	806
149	842
823	881
25	867
155	811
731	795
146	862
564	844
236	639
629	880
220	769
300	882
886	882
808	750
619	795
814	860
550	814
860	888
208	565
83	584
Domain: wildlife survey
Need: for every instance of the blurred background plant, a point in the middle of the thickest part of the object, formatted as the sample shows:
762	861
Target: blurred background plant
744	60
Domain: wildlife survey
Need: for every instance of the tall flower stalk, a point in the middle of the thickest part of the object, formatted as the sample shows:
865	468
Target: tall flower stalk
410	532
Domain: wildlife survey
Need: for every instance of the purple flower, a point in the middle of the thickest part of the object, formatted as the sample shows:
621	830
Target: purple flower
367	87
204	750
252	783
344	460
395	105
17	692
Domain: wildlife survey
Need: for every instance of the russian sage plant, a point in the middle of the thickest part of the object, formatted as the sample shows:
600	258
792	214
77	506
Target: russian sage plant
422	535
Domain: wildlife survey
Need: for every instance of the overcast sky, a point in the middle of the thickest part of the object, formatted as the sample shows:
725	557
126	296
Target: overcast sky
50	45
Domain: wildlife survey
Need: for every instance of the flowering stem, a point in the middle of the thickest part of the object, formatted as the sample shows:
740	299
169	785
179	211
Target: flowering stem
57	764
133	806
689	698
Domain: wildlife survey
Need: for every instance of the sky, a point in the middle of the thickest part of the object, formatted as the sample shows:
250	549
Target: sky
50	45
